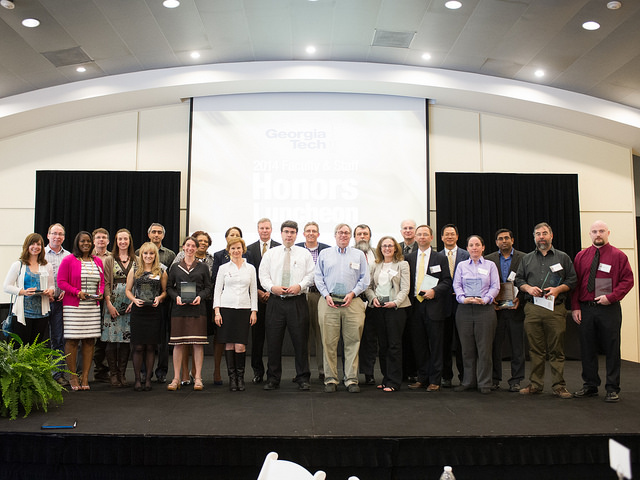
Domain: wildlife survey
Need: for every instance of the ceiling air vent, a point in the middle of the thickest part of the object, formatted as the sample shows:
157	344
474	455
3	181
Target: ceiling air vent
69	56
386	38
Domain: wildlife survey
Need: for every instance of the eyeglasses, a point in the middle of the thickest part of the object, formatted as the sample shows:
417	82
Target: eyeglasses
388	246
56	234
343	233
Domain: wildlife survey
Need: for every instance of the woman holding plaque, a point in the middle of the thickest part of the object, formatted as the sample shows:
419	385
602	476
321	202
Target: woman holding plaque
30	280
388	296
202	255
116	330
188	285
81	277
146	288
235	303
476	284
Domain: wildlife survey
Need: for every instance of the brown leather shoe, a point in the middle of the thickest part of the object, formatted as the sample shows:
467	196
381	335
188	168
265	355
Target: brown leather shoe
416	386
562	392
530	389
433	388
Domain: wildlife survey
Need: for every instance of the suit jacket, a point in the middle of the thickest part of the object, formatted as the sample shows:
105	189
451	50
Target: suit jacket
436	308
400	284
254	256
461	256
515	261
412	248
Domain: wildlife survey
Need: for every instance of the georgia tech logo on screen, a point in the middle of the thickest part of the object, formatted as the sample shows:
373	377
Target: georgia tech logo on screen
300	139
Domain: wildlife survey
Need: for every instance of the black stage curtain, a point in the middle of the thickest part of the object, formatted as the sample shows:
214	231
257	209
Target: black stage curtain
481	203
85	200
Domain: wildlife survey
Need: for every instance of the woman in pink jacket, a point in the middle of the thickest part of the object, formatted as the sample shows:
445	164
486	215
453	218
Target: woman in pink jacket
81	277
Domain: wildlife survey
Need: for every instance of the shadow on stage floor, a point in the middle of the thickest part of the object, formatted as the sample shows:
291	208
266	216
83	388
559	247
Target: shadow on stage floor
374	435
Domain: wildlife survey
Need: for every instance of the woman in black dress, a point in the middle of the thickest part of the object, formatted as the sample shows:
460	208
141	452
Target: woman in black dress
146	288
188	317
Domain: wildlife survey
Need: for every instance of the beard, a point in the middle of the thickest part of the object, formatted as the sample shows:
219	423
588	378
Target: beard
363	246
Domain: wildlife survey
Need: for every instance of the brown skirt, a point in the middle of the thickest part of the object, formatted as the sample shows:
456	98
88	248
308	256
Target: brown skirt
188	331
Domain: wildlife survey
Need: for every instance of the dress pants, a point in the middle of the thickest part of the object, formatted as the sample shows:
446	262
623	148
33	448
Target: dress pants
288	313
545	332
368	344
350	322
600	327
56	332
315	337
388	326
428	338
476	327
257	341
163	347
451	341
510	324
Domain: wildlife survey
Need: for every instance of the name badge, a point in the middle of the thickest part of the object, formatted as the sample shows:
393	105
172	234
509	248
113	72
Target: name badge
603	267
511	277
556	268
435	269
483	271
355	265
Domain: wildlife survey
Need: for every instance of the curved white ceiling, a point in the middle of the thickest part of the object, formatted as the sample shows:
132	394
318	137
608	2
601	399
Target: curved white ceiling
537	103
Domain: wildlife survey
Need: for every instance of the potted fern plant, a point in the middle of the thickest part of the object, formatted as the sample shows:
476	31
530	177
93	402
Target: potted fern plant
26	376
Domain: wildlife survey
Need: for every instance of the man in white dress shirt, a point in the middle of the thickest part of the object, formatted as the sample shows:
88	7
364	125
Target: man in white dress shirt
286	272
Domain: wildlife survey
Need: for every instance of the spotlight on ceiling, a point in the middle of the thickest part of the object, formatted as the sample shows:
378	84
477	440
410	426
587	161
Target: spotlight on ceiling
171	3
31	22
591	25
453	4
8	4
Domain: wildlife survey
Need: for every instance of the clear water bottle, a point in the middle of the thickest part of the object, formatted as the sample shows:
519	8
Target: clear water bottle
447	474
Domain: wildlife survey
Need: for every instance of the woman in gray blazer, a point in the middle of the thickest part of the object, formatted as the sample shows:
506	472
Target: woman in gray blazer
388	296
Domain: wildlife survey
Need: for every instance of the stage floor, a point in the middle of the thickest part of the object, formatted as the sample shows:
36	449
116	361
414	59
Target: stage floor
288	412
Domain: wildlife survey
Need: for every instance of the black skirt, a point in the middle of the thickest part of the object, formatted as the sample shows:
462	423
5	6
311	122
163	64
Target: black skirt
146	325
235	326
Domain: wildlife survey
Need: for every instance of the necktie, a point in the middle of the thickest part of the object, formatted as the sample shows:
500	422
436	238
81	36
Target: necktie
452	262
591	283
286	268
420	277
264	248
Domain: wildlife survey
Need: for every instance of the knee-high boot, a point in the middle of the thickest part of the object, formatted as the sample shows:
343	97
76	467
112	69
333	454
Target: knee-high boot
123	360
111	354
240	360
230	357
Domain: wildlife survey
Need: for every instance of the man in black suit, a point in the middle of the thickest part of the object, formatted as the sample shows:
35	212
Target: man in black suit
453	256
511	319
408	232
428	305
255	251
311	233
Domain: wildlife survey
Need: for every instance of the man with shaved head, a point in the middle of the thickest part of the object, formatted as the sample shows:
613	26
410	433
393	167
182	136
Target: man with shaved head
604	278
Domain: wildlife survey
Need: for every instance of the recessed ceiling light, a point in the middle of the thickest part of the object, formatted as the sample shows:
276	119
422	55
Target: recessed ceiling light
171	3
8	4
31	22
81	69
591	25
195	54
453	4
310	49
426	56
539	73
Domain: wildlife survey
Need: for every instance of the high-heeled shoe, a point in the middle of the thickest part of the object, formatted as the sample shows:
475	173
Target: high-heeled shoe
174	385
197	385
137	386
147	387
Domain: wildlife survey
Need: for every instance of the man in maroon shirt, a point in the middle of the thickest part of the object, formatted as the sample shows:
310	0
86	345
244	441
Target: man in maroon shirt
604	278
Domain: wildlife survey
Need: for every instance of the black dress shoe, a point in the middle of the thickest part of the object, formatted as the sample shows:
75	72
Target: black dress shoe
369	380
464	388
257	379
586	392
161	378
304	386
611	397
270	385
446	384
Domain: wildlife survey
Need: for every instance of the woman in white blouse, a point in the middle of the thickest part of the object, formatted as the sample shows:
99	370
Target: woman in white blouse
235	301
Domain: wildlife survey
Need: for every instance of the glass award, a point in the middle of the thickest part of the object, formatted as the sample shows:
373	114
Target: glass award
472	287
146	294
506	295
428	282
604	286
338	294
37	282
188	292
383	292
